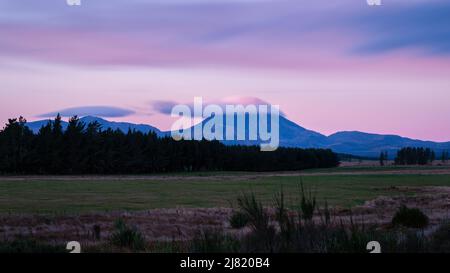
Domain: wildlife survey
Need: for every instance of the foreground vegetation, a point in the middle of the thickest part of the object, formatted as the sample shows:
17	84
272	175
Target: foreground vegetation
90	194
298	232
272	222
294	228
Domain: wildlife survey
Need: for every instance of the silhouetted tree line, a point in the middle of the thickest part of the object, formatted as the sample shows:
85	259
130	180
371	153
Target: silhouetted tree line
415	156
87	149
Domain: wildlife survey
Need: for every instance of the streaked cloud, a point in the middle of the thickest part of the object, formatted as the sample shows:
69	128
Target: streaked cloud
331	65
295	33
163	106
416	26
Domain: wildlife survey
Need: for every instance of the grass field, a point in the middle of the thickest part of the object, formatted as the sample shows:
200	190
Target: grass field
88	194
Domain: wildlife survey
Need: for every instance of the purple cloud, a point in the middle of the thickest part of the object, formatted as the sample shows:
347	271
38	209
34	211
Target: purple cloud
165	106
417	25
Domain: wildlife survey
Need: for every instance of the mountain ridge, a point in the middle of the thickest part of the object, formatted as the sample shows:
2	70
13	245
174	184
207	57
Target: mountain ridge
292	135
35	126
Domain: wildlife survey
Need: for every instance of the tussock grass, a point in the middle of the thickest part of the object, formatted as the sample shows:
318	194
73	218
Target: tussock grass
127	237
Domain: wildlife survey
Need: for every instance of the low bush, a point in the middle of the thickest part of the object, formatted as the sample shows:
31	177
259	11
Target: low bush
239	220
213	241
127	237
307	204
410	218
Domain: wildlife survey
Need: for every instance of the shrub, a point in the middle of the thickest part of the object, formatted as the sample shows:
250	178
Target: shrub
129	237
239	220
410	217
213	241
308	204
259	220
254	211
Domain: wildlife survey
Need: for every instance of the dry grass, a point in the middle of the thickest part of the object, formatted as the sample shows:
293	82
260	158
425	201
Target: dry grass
166	225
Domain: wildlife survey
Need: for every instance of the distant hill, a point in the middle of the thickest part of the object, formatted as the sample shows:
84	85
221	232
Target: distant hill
35	126
105	124
356	143
293	135
365	144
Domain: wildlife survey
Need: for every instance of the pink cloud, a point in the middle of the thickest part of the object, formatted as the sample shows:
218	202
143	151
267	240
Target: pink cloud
294	53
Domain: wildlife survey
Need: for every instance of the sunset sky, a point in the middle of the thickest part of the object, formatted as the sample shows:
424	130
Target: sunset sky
330	65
